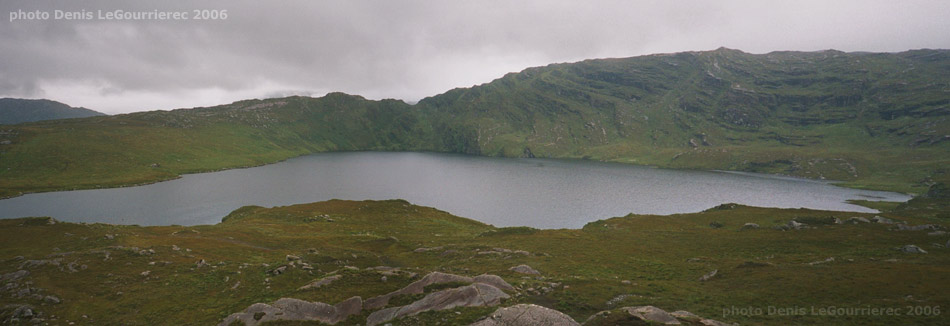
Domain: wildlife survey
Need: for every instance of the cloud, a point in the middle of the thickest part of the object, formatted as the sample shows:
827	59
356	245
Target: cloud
404	49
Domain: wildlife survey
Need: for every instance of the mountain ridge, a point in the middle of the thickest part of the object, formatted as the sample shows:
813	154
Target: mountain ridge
874	120
17	110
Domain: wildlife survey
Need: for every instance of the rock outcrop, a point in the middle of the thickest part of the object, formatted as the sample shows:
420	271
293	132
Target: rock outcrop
750	226
296	309
482	290
524	269
474	295
912	249
526	315
494	280
416	287
651	314
882	220
321	282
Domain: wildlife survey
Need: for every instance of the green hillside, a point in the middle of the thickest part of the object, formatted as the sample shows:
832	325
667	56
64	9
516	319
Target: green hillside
100	274
874	120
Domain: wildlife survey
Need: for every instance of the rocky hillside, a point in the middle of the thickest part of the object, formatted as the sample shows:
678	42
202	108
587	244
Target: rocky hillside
875	120
14	110
822	114
390	262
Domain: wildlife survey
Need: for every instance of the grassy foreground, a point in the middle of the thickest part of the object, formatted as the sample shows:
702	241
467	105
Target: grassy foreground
131	275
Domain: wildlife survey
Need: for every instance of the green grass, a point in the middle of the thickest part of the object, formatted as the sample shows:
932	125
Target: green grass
662	256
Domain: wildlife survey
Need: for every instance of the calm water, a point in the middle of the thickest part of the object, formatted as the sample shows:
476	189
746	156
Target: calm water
541	193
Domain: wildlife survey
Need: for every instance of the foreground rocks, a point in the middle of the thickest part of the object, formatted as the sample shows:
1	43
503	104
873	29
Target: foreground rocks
912	249
649	314
525	269
482	290
526	314
319	283
296	309
474	295
417	287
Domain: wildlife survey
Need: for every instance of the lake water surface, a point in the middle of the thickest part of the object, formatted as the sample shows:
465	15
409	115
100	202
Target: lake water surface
541	193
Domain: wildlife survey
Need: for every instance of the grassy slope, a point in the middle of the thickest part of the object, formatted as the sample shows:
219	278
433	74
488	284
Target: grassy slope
872	120
651	251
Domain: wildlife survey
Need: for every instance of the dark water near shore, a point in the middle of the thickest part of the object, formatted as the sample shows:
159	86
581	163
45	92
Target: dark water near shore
540	193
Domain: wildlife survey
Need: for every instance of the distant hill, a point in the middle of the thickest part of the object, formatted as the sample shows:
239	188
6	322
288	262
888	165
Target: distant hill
874	120
16	110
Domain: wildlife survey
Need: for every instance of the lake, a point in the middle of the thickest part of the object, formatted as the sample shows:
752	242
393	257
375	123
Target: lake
541	193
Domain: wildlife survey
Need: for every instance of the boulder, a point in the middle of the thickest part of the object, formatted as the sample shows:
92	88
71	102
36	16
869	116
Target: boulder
51	299
279	270
526	315
651	314
474	295
937	233
524	269
296	309
912	249
23	312
750	226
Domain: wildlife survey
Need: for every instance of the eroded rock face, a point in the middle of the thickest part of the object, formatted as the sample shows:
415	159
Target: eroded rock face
296	309
474	295
526	315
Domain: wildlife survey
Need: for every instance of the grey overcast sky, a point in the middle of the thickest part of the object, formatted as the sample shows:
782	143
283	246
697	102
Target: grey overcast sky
401	49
